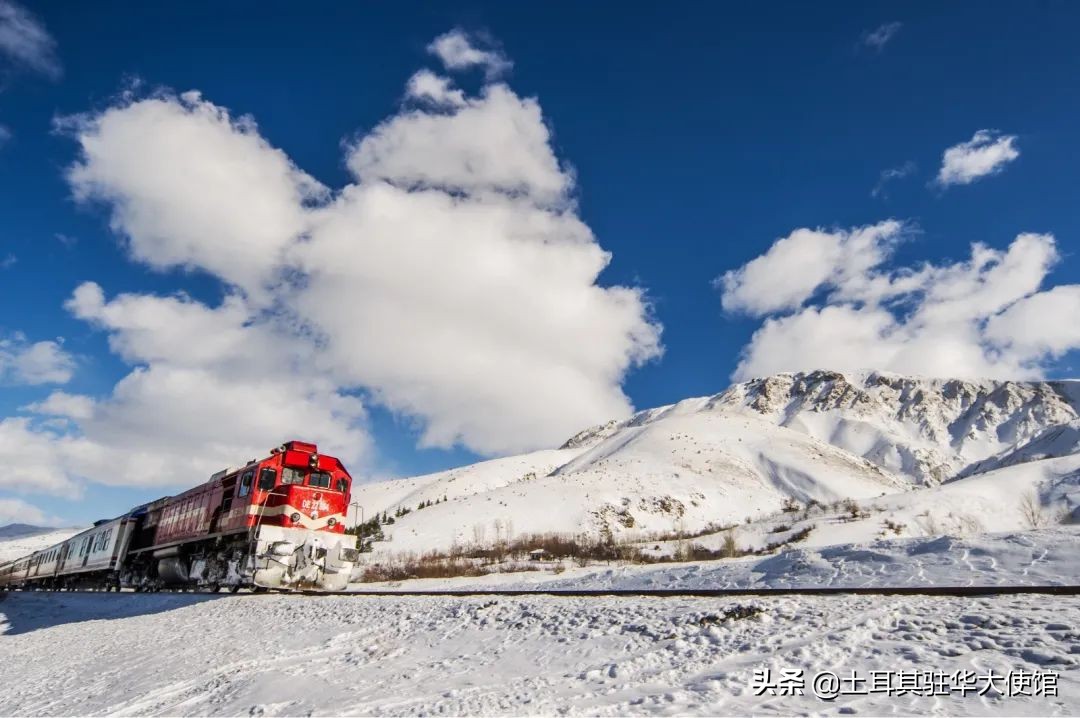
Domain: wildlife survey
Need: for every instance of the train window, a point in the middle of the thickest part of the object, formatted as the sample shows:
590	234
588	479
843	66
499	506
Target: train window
292	476
245	484
342	485
267	478
319	479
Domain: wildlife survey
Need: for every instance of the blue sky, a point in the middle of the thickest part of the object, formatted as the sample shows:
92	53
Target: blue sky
690	138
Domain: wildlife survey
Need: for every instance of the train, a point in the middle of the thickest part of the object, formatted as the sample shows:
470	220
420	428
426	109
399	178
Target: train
276	523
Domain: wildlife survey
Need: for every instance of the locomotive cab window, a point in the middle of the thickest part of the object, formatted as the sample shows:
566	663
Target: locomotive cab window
267	478
319	479
292	476
342	485
245	484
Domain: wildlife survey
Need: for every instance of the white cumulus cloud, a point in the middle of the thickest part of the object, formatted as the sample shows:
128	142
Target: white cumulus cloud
189	186
17	511
988	316
458	50
38	460
986	153
426	86
796	266
64	405
495	143
213	386
43	362
451	281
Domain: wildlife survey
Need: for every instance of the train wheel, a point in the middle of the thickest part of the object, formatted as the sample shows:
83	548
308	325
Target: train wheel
234	588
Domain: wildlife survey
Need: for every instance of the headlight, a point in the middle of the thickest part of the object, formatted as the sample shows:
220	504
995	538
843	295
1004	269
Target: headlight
331	523
295	518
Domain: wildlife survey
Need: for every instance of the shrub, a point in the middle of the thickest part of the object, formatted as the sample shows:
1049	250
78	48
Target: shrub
433	565
852	509
728	549
896	528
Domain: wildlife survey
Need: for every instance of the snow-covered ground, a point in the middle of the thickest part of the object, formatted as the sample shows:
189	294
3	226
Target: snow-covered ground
1049	557
97	654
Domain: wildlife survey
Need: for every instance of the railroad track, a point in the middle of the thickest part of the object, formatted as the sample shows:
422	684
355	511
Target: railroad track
666	593
736	592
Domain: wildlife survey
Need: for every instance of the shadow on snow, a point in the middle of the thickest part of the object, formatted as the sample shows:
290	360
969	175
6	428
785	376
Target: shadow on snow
26	611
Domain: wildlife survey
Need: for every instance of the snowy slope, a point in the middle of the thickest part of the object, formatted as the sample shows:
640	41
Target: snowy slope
458	483
22	540
740	454
1053	441
681	471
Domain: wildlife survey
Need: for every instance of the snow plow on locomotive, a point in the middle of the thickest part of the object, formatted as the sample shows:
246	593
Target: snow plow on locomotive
276	523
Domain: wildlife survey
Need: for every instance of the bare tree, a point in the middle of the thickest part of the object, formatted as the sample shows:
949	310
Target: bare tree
1032	512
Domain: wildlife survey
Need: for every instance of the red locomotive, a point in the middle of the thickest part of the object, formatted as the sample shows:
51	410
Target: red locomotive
274	523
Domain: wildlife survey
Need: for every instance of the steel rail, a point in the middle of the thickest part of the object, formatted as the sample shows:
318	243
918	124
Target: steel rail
1054	590
956	591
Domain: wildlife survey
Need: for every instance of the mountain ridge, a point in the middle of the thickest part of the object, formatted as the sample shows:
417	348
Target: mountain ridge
740	454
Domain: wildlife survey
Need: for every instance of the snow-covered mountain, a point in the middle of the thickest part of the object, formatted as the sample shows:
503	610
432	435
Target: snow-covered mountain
11	531
740	454
18	540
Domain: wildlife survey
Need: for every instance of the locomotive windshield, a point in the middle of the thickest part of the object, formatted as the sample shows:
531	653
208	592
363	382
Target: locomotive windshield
290	475
319	479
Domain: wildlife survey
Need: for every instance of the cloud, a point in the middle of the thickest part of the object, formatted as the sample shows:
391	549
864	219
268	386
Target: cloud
189	186
493	144
451	281
36	459
807	259
212	386
64	405
985	154
17	511
878	38
889	175
24	42
1040	324
426	86
984	317
5	135
44	362
457	51
8	261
